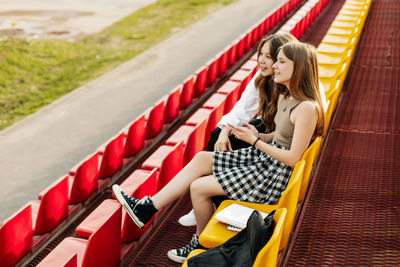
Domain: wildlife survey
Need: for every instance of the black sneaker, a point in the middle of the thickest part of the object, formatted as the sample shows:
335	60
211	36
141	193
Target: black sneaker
140	211
179	255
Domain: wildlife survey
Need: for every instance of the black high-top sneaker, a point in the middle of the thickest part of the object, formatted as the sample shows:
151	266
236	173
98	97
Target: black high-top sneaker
179	255
140	210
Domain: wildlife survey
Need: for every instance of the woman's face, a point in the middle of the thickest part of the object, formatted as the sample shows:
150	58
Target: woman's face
265	60
283	69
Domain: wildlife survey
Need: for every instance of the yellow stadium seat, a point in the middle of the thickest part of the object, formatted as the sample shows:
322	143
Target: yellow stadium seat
192	254
309	157
215	232
268	255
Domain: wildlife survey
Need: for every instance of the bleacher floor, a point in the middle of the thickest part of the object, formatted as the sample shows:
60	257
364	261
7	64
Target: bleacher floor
170	234
352	216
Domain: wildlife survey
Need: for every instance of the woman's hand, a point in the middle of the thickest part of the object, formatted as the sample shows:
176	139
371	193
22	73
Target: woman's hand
223	143
247	133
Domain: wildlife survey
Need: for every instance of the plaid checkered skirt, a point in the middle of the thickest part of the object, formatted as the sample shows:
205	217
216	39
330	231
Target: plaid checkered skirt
248	174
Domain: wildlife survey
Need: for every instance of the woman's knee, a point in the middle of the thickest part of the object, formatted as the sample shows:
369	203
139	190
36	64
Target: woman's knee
197	189
203	157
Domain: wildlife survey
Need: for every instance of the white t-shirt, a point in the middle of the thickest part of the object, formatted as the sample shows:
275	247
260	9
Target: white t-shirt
246	107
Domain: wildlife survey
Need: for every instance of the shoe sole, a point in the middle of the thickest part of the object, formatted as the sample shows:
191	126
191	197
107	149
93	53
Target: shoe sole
125	205
175	258
183	223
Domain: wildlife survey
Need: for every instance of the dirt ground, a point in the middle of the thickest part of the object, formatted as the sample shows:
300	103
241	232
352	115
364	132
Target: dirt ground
67	20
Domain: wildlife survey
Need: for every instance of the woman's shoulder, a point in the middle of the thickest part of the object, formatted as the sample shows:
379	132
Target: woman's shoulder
306	106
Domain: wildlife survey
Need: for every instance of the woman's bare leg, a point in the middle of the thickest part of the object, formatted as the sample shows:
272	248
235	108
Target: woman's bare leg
201	191
199	166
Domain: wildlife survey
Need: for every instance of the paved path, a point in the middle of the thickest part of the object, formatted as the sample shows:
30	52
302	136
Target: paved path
44	146
62	19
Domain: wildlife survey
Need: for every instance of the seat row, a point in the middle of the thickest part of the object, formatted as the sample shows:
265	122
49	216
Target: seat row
90	176
351	19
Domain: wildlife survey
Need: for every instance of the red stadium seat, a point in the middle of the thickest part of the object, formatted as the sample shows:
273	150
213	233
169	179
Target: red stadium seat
240	47
168	160
192	137
172	105
250	65
85	180
187	92
103	248
211	115
222	62
232	54
201	81
139	184
16	236
135	136
242	76
215	101
112	156
155	120
52	207
212	72
231	89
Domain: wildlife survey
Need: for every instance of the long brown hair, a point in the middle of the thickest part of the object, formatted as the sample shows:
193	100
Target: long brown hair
304	83
267	89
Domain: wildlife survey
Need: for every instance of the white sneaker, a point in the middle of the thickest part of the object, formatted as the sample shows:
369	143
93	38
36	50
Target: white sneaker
188	219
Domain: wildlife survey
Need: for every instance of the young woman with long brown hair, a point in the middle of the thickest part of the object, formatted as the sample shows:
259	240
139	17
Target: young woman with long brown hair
258	173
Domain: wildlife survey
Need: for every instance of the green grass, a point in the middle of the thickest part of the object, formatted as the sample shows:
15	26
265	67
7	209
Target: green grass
34	73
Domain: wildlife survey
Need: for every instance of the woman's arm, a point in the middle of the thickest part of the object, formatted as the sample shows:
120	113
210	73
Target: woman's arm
304	117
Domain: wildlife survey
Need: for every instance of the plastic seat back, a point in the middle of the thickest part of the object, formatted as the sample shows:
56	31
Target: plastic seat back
172	105
309	157
113	156
16	236
289	199
171	165
187	92
135	137
268	255
195	142
139	184
155	120
53	207
85	181
104	246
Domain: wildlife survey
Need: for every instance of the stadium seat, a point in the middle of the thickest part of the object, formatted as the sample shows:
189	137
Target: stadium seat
134	139
112	156
154	124
213	116
232	54
103	248
215	232
16	236
215	101
139	184
168	160
240	46
309	157
231	89
192	137
268	255
250	65
242	76
85	181
212	72
222	62
187	92
52	208
172	105
200	82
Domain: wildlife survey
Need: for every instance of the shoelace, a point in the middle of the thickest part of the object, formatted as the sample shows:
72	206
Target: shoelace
189	247
145	200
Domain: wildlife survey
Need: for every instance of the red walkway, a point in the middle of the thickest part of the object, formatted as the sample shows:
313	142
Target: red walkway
353	213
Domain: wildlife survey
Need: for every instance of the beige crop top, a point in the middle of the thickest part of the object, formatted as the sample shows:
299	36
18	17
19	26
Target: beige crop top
284	127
